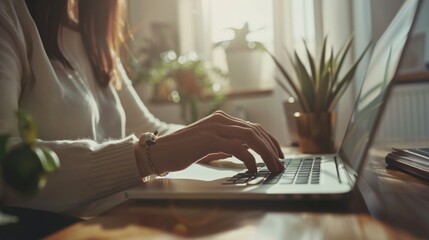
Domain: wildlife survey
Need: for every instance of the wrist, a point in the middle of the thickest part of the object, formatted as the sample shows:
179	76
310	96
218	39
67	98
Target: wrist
148	166
144	169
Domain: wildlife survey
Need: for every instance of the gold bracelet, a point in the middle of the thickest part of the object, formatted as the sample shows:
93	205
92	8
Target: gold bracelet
146	141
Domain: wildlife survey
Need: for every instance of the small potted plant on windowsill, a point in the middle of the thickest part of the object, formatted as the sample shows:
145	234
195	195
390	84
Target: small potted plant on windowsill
144	68
244	59
187	80
317	87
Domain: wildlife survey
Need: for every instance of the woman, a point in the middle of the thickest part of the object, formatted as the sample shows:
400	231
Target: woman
59	62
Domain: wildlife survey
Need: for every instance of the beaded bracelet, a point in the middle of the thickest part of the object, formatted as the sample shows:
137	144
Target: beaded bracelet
146	141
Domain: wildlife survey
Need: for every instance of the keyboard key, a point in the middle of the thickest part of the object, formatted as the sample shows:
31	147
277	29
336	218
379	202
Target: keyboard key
286	181
255	180
301	182
288	175
262	174
259	165
240	181
271	180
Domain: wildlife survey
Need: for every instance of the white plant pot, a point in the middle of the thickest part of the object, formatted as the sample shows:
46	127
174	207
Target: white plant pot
244	67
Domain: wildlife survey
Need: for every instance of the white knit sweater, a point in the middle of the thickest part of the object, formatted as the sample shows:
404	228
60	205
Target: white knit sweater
92	129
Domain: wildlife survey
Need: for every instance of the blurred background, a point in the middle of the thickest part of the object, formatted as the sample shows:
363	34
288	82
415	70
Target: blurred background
217	44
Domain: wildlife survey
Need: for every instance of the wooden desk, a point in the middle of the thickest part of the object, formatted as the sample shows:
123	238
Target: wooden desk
393	205
396	198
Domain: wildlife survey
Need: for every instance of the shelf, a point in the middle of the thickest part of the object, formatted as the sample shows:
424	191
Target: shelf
412	77
228	95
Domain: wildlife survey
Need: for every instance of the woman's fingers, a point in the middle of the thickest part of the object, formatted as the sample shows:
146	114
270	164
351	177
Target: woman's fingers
213	157
237	149
222	117
247	138
273	140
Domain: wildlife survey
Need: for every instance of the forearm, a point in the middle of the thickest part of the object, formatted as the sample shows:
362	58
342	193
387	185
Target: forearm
88	171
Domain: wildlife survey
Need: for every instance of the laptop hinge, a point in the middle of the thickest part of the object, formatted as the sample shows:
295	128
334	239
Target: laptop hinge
337	166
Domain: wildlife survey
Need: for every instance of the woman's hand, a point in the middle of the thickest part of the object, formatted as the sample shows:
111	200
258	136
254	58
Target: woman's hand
218	133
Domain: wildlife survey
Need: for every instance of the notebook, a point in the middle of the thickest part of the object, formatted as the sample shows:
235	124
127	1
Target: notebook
330	176
411	160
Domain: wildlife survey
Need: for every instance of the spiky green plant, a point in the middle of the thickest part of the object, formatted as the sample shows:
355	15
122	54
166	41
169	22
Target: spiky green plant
318	87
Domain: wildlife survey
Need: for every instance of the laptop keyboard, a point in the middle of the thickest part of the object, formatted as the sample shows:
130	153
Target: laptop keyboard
297	171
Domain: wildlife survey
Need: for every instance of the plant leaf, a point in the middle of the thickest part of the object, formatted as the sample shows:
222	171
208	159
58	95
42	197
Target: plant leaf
311	62
285	88
322	92
307	85
27	127
342	56
330	69
322	58
50	162
289	81
342	85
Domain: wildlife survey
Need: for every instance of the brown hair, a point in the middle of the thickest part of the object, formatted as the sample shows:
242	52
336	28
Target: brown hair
102	24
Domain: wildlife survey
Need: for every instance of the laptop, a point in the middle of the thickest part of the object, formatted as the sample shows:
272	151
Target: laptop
331	176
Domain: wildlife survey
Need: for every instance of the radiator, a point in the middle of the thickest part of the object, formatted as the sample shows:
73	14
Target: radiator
406	117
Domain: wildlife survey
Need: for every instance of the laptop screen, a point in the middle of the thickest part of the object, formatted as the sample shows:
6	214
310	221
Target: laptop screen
380	72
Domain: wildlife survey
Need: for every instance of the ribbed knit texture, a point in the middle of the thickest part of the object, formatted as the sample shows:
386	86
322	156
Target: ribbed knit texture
111	175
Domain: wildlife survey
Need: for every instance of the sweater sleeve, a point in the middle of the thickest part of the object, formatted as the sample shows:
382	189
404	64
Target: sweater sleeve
139	119
89	171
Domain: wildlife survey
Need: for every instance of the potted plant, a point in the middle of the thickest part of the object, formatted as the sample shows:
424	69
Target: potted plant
244	59
318	88
188	80
145	67
24	166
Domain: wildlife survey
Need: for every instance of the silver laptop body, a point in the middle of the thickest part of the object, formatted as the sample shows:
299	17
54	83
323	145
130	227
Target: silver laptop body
325	176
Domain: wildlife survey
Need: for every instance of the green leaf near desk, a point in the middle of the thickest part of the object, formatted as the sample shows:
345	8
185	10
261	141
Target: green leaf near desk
317	84
25	166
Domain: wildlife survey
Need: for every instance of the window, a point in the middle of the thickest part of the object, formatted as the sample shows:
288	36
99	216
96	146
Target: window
303	27
212	22
228	14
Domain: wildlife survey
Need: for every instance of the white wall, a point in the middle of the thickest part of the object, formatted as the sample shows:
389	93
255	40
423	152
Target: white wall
422	26
145	12
382	13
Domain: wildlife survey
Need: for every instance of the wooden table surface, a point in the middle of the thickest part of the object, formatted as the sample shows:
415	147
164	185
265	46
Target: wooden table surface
389	205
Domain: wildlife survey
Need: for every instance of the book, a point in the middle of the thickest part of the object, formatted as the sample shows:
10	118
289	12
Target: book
418	155
411	160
